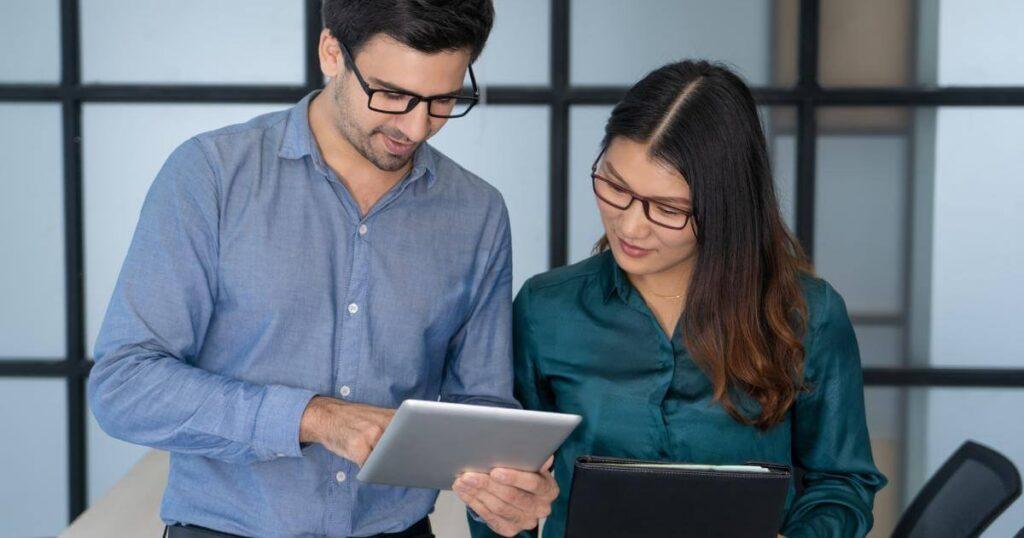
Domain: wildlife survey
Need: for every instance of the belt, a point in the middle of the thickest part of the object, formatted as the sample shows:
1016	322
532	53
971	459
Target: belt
420	530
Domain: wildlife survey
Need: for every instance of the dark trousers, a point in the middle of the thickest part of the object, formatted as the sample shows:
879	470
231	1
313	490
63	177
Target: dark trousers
420	530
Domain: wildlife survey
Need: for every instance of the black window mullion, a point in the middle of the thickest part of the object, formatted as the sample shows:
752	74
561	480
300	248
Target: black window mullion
558	197
807	127
314	77
71	107
975	378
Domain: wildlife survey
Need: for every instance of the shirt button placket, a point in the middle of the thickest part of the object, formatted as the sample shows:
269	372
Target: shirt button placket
354	326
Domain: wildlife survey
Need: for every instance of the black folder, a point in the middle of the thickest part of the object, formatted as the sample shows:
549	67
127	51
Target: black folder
622	498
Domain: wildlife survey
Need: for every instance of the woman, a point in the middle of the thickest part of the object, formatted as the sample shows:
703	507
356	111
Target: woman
698	332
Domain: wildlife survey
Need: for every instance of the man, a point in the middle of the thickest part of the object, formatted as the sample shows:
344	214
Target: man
293	279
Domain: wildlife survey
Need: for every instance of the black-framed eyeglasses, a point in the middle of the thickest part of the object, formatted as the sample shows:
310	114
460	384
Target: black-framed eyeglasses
619	197
402	102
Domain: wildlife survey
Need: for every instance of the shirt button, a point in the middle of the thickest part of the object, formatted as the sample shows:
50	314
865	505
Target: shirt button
363	229
340	477
345	391
353	308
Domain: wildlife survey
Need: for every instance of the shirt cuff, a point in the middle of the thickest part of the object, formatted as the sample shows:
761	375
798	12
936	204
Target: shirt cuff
823	520
276	434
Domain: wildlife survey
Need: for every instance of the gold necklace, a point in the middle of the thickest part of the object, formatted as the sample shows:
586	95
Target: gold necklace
680	296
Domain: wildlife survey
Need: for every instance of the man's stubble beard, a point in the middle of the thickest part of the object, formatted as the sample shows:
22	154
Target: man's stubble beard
361	141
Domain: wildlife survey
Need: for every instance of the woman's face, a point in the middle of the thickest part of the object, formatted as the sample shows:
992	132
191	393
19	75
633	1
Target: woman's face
641	247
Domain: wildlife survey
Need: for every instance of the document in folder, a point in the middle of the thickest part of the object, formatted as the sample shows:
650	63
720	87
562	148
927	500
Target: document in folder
613	497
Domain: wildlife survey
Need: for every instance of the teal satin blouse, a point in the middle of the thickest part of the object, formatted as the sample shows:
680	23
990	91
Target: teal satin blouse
585	342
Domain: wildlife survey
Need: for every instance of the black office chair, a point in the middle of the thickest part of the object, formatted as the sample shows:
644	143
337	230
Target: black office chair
968	492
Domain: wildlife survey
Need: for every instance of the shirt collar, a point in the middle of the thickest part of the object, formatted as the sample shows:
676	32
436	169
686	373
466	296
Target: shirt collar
613	280
297	139
298	142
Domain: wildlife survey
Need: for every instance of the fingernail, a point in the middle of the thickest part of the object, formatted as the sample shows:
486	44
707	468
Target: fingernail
502	476
472	481
459	487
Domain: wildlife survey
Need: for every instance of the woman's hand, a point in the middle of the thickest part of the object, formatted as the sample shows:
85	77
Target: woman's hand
509	501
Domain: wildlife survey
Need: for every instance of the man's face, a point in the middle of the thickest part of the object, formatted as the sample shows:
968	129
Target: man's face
389	140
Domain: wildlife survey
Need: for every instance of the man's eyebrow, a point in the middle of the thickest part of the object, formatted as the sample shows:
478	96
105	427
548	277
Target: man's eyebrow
383	84
374	81
677	200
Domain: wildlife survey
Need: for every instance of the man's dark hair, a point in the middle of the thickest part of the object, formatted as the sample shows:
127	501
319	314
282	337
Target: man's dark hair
425	25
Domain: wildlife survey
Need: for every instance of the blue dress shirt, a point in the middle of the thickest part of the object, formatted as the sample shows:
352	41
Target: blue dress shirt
253	283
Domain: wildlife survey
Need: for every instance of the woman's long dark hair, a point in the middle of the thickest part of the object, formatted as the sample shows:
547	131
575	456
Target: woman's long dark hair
745	315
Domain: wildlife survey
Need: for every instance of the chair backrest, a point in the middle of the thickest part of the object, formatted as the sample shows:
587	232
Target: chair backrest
965	495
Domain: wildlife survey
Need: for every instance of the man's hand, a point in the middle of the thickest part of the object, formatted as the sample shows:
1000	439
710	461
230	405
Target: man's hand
349	430
508	500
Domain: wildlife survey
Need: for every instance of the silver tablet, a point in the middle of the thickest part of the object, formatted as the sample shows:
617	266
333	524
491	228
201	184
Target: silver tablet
428	444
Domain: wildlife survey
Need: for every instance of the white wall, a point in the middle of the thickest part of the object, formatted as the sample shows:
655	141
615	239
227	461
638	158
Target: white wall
613	45
972	291
29	29
977	284
980	42
32	238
